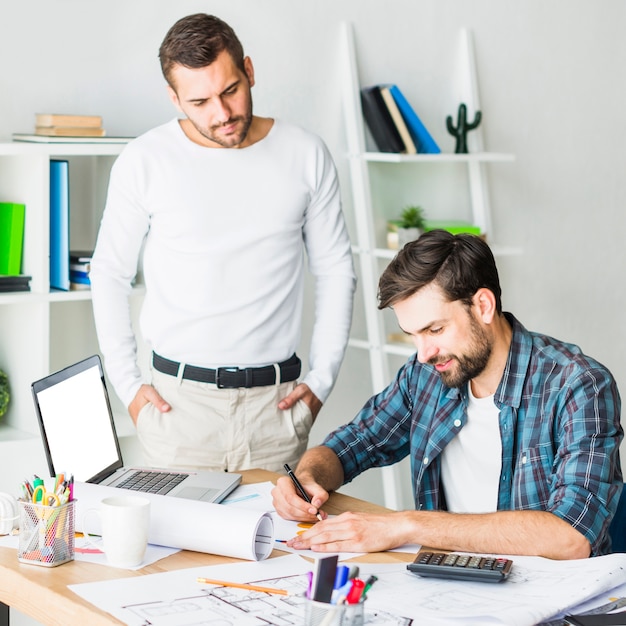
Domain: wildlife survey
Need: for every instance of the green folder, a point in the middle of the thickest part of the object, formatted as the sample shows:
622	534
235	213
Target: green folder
11	237
453	226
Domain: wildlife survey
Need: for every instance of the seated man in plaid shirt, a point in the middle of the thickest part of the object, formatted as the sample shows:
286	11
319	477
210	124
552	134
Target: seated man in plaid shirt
513	436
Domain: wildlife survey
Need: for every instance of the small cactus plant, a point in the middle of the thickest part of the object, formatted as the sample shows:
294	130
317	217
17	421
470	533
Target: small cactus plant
462	128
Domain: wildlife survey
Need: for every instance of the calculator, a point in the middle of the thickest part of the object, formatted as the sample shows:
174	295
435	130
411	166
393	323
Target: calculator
461	566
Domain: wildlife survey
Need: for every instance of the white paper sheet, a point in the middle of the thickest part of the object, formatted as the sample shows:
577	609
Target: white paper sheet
537	590
288	529
177	599
258	496
190	524
83	551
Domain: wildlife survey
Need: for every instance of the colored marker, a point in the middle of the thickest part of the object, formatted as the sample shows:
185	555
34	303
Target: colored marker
341	578
355	593
368	583
339	595
36	483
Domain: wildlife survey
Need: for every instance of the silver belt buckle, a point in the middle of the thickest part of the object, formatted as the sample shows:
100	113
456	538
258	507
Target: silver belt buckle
218	375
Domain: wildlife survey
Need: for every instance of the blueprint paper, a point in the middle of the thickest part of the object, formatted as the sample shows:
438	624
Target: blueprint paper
177	599
537	589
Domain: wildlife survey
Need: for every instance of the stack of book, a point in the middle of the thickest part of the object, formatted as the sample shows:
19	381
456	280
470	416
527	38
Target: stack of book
80	264
12	216
14	283
455	227
61	125
394	125
59	224
12	220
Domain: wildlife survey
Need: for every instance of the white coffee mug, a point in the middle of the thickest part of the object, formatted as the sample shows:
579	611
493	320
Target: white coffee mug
8	513
124	528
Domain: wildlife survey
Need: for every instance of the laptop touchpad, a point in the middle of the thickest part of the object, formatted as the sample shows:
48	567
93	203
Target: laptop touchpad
197	493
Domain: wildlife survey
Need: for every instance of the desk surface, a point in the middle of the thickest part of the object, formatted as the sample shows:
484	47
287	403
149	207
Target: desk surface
42	592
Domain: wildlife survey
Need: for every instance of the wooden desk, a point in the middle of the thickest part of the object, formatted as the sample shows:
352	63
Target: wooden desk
42	592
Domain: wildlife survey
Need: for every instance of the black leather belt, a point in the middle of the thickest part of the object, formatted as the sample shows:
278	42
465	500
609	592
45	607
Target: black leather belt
232	377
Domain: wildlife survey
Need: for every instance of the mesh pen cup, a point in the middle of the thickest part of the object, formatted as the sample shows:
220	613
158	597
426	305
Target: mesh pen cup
325	614
46	533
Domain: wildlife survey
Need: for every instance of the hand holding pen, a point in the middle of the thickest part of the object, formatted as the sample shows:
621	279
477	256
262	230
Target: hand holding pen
300	489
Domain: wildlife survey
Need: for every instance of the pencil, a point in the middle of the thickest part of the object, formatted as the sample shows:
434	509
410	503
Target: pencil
224	583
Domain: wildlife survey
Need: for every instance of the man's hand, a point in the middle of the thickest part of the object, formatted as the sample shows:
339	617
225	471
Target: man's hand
302	392
531	533
145	394
354	532
290	505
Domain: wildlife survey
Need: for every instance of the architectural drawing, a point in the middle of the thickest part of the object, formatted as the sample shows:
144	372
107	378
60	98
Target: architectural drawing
227	606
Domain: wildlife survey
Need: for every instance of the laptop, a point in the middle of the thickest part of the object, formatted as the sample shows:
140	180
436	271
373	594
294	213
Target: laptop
79	437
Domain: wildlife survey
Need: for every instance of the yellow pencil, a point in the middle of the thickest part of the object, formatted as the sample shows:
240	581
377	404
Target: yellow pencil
224	583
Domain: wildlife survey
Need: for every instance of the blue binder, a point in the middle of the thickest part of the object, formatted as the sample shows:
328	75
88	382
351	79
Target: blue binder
59	225
424	143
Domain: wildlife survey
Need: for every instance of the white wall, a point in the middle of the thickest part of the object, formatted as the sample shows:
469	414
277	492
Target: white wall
551	83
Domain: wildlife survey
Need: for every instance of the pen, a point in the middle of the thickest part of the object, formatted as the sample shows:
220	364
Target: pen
224	583
29	489
368	583
300	488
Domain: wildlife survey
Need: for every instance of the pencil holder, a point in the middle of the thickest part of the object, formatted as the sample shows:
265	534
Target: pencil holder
46	533
325	614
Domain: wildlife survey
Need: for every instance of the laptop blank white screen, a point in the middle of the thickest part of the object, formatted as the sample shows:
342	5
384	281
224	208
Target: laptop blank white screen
76	419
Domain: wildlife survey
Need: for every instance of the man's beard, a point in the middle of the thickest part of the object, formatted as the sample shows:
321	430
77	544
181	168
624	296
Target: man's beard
472	363
231	141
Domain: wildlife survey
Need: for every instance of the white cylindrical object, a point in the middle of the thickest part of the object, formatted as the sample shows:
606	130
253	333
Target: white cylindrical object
191	524
8	513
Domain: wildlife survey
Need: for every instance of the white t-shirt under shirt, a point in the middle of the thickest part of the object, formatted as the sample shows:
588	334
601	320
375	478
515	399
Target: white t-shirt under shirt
471	463
224	254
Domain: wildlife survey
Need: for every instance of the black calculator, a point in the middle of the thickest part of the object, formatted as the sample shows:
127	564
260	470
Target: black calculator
480	568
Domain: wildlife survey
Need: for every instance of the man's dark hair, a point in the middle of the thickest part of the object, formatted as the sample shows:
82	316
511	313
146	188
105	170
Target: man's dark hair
459	265
195	41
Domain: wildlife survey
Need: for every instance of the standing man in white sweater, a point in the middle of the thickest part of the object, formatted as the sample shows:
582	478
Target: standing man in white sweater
224	204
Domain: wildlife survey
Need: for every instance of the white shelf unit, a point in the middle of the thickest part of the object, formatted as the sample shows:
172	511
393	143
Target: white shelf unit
44	330
368	249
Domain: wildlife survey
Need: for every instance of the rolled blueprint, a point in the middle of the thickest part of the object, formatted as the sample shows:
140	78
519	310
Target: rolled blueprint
188	524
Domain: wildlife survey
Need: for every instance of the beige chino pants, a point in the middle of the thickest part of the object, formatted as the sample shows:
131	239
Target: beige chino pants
222	429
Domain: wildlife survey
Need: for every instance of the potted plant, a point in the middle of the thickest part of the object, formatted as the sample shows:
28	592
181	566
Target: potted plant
411	226
4	393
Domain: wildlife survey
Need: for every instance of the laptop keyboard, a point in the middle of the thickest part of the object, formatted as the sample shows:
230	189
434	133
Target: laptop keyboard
152	482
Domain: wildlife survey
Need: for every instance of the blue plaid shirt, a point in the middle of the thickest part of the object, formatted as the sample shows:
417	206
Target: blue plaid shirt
559	424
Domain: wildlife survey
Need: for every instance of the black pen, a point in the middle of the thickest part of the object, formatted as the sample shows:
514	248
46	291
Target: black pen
300	488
